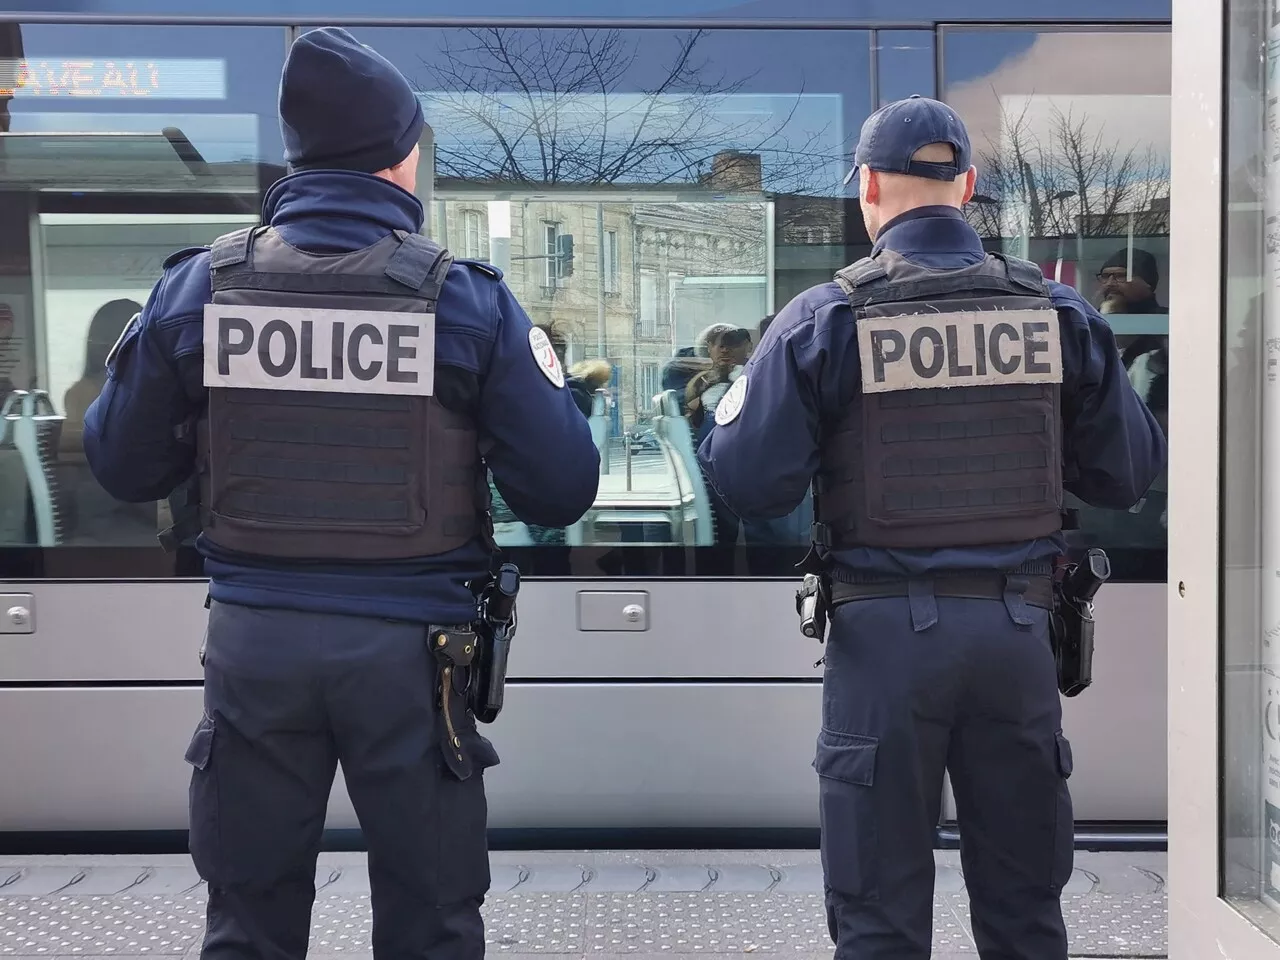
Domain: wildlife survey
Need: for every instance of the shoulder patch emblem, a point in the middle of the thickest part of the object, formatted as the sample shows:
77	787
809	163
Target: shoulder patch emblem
731	403
545	356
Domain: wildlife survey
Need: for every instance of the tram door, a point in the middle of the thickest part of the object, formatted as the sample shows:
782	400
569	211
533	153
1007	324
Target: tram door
1224	550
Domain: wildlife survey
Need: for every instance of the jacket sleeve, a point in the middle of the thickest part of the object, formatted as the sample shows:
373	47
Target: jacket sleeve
1113	447
138	433
535	440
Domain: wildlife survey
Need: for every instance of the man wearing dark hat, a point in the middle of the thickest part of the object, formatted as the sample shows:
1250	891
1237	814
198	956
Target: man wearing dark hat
1128	282
939	400
332	379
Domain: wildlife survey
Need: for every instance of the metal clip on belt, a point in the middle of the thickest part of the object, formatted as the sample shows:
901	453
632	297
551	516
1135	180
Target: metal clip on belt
967	586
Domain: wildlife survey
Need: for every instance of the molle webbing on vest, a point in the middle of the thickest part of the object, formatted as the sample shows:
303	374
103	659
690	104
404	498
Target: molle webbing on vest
910	465
333	475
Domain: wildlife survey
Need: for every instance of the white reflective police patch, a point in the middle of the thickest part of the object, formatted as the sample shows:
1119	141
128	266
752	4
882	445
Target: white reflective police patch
115	347
731	403
545	355
924	351
319	350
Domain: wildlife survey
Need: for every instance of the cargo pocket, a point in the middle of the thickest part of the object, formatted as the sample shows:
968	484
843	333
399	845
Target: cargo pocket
1064	835
203	841
846	766
463	845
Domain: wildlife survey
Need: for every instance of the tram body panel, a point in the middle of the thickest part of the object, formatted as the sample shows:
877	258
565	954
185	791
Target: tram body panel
94	744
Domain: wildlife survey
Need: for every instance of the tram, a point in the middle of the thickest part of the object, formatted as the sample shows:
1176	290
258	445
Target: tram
655	181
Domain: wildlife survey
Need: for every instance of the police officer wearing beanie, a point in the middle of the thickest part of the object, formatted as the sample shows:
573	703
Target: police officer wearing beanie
939	400
339	387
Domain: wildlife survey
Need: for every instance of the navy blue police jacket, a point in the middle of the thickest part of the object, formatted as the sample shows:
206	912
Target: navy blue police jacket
806	371
533	437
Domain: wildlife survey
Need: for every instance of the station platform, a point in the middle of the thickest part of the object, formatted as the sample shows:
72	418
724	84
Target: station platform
558	903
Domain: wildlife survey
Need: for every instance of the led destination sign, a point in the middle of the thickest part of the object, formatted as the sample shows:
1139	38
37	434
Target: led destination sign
117	78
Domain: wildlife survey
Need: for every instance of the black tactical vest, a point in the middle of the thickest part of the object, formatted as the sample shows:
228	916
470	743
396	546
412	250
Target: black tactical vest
339	476
954	438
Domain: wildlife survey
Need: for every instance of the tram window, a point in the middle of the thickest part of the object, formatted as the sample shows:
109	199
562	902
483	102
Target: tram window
651	196
1073	173
119	145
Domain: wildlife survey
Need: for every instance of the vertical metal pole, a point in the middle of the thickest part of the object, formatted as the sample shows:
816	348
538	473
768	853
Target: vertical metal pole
600	337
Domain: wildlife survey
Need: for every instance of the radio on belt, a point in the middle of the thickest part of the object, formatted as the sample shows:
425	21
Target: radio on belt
319	350
962	349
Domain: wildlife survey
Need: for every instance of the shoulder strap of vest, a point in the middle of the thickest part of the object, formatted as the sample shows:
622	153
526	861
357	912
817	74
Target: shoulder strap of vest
1024	273
233	249
420	264
1016	280
862	273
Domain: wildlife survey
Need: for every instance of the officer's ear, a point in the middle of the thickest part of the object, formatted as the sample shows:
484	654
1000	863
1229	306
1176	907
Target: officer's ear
970	181
868	185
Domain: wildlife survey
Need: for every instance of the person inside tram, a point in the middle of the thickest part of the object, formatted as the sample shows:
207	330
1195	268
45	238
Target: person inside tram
89	513
1125	292
104	330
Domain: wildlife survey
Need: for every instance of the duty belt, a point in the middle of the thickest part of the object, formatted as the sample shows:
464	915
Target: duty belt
967	586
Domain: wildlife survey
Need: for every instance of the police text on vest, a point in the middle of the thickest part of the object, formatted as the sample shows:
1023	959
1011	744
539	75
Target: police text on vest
319	350
925	351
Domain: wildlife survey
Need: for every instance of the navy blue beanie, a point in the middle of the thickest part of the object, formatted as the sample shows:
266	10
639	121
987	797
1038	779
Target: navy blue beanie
344	106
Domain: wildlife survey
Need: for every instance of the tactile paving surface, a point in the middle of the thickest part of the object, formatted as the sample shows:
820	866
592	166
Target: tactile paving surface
558	904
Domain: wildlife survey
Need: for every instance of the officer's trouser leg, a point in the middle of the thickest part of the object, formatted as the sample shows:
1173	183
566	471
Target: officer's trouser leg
888	695
263	764
1009	765
425	829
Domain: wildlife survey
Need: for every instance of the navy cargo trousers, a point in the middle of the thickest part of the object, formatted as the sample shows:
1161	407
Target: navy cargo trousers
287	697
914	687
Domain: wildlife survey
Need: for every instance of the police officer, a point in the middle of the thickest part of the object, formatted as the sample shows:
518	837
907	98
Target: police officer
940	399
334	379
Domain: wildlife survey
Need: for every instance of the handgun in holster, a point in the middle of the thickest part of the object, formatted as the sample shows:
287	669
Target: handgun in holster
494	630
812	606
1071	623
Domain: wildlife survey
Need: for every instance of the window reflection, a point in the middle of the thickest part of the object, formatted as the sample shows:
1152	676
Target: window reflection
109	162
651	197
1073	174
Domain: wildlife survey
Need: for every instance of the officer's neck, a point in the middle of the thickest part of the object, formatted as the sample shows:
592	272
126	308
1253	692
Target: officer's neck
918	213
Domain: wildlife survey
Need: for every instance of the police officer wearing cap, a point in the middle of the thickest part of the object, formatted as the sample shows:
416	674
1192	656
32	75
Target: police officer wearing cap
940	399
338	385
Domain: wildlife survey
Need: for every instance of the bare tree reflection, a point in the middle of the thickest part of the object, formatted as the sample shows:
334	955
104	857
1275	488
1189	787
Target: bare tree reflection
558	106
1074	179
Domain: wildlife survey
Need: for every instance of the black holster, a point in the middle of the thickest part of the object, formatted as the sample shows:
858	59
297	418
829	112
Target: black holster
1071	624
494	632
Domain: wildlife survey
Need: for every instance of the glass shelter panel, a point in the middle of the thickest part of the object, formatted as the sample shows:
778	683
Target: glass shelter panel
1250	589
1073	173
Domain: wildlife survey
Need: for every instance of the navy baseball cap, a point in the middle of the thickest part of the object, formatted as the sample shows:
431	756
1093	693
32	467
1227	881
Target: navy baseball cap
896	131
